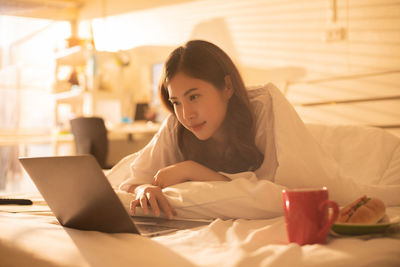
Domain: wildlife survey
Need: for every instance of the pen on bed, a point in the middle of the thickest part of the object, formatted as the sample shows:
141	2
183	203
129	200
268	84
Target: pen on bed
15	201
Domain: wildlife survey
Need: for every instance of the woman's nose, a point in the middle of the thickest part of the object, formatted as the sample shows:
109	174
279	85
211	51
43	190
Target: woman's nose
188	112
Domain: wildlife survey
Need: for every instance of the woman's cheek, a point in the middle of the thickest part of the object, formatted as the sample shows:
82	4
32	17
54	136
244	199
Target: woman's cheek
179	117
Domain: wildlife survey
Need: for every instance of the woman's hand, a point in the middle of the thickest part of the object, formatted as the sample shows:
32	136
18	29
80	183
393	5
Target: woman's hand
185	171
151	195
173	174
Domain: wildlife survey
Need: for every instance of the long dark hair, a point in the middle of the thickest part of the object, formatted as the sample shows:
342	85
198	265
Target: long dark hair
203	60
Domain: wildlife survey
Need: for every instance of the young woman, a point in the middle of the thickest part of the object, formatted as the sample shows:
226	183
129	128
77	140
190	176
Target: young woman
214	129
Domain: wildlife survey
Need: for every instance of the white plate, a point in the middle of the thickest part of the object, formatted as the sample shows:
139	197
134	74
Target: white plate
363	229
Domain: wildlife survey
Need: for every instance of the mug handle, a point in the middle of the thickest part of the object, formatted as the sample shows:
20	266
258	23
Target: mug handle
333	218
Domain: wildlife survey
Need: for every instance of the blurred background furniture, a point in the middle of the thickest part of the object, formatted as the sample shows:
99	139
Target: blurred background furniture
90	137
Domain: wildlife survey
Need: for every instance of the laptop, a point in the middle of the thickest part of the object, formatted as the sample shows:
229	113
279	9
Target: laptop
81	197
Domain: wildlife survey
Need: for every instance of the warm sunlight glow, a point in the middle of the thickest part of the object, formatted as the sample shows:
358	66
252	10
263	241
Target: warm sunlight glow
18	29
130	30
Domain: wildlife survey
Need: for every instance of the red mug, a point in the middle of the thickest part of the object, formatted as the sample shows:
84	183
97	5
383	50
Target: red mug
306	215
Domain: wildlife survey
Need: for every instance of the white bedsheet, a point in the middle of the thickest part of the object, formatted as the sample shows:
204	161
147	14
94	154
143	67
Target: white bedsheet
37	240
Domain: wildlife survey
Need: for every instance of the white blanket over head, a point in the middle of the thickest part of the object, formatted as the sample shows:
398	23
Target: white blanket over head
350	161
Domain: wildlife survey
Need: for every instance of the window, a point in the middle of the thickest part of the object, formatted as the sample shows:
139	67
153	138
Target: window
26	107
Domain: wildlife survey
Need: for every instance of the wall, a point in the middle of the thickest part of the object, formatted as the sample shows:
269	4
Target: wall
275	40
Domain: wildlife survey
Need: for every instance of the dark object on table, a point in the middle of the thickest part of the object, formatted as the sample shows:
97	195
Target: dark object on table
15	201
90	136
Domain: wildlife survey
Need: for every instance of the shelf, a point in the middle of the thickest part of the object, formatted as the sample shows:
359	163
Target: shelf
88	98
78	94
69	96
74	56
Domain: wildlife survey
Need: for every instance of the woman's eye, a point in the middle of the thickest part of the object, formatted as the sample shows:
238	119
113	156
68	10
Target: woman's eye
193	97
174	103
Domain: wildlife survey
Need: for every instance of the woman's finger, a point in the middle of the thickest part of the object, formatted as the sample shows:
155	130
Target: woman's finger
151	197
143	203
133	206
165	207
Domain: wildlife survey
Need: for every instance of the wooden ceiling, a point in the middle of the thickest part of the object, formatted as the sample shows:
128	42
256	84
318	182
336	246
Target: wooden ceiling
46	9
69	9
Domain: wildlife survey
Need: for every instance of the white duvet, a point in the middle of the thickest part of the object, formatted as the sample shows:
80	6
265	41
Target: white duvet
350	161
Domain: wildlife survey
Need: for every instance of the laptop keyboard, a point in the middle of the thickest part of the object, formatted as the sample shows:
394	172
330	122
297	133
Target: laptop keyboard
159	226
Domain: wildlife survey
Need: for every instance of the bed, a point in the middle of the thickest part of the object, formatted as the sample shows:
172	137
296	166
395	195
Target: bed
248	228
37	240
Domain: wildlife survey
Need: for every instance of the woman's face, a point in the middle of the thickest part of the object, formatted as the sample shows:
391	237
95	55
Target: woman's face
199	106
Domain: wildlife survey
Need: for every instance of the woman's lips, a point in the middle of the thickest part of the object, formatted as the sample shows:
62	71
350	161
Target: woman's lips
197	127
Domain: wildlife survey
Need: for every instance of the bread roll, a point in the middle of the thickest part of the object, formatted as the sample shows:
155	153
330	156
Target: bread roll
363	211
